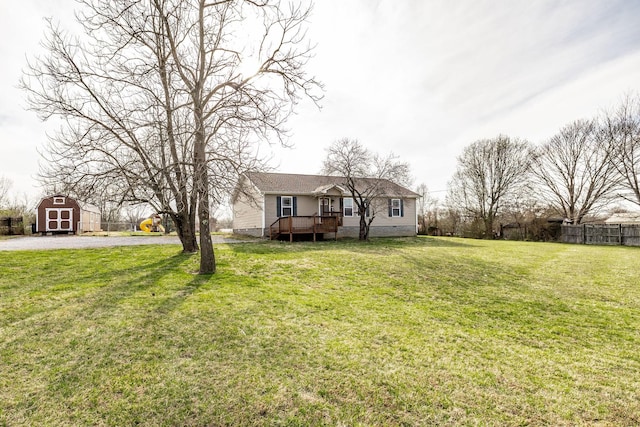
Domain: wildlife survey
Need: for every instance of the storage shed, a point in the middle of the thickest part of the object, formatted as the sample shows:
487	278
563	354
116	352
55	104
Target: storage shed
62	214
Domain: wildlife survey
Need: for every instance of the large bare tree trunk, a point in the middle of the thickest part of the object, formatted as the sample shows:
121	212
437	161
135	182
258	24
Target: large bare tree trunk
364	229
185	229
207	257
488	227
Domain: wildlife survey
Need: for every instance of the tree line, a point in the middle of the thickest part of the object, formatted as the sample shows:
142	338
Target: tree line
13	204
586	167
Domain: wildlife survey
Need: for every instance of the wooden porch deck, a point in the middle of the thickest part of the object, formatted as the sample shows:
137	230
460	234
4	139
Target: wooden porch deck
315	225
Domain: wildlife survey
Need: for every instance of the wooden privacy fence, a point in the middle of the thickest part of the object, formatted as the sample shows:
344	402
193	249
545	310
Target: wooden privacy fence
601	234
11	225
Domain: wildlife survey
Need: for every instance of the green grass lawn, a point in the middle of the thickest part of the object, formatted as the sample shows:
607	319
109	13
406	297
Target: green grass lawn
426	331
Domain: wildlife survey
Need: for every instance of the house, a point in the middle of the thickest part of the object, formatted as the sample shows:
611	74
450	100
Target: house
276	204
624	218
62	214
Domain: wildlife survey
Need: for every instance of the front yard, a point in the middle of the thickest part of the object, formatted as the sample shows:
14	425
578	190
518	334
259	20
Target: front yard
396	332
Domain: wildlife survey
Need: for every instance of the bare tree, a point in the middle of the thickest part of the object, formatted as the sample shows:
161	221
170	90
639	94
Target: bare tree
450	220
622	129
422	204
519	212
5	187
489	171
21	206
368	177
15	205
158	106
427	209
522	206
574	171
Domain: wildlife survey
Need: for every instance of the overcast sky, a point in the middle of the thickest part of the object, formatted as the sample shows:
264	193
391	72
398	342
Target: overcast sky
420	78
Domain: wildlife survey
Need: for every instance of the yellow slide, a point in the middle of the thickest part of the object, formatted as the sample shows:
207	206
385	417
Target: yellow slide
151	224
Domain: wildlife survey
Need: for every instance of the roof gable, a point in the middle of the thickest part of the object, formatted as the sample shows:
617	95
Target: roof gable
324	189
67	200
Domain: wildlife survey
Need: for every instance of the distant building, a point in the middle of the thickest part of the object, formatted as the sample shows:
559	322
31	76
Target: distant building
624	218
61	214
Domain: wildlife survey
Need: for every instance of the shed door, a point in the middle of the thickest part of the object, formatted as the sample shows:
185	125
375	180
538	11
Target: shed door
59	219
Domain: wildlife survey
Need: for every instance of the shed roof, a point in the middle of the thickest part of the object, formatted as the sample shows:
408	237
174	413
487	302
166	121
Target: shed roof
282	183
84	206
89	207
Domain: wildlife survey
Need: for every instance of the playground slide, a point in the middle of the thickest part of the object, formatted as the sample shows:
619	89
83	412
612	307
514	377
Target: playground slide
147	226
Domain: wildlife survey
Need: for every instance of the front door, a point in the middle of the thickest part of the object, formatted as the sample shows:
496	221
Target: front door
325	206
59	219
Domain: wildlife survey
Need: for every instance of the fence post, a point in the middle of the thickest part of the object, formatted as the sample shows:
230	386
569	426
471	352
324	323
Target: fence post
620	234
584	234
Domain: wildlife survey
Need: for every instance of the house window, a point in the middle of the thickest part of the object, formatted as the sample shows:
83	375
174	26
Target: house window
348	206
287	206
58	200
396	207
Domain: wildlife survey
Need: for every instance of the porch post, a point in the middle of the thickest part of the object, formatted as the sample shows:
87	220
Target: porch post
314	229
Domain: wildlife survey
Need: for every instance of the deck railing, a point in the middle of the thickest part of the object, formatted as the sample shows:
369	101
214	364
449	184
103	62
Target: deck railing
305	225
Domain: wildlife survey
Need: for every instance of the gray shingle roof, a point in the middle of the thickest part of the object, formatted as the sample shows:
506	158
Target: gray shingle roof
295	184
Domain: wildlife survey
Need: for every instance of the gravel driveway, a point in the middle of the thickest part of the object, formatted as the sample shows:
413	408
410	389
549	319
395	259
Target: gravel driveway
82	242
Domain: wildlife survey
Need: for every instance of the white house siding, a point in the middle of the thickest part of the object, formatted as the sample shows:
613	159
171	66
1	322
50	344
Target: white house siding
382	218
305	206
383	225
247	216
270	206
384	231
